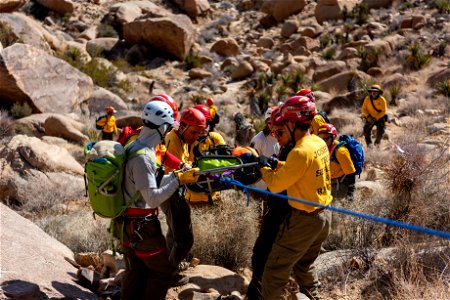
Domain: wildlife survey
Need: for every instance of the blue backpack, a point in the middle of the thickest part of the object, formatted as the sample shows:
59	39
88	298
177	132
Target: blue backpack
355	149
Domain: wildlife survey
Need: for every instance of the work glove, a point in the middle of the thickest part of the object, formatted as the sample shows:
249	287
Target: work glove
184	167
264	161
186	177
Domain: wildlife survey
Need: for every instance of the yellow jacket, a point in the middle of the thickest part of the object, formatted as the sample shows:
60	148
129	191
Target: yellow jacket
343	165
368	110
212	111
177	147
305	174
109	124
213	139
316	123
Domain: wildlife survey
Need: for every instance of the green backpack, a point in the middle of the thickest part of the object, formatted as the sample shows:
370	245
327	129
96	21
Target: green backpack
103	176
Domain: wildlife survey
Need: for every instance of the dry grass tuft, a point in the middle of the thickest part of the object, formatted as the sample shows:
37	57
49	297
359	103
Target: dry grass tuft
6	124
225	233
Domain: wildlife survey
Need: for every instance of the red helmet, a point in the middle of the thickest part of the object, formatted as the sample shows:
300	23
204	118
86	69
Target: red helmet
193	117
306	92
275	118
205	111
110	109
210	101
299	109
169	100
328	128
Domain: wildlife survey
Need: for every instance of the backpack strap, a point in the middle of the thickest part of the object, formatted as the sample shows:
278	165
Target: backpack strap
373	105
333	153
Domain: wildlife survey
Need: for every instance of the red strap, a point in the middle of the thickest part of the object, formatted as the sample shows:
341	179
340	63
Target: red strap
135	212
148	254
172	161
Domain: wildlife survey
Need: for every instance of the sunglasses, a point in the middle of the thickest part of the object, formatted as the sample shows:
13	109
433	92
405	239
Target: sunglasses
278	133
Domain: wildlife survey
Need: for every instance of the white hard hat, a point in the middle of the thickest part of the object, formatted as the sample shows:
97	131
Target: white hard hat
157	113
268	113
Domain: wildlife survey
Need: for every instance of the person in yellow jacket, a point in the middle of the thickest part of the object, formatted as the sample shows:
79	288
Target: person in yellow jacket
320	118
208	140
179	235
374	113
342	168
215	116
108	124
305	175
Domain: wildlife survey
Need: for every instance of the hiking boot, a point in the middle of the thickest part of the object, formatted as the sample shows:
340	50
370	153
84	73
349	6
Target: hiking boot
311	293
179	280
183	266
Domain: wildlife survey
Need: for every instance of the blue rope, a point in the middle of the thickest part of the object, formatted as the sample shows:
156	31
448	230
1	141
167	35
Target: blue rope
386	221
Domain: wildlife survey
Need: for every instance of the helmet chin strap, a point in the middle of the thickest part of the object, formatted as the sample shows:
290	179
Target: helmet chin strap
291	133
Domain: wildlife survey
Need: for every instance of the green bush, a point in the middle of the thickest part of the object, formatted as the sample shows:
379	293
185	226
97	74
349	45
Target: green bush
443	6
105	30
193	60
21	110
329	53
6	124
443	88
360	13
417	59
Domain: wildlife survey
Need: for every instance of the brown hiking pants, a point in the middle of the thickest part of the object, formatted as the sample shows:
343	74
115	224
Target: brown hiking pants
296	248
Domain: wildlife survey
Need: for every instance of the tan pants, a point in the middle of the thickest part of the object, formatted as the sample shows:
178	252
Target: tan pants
296	248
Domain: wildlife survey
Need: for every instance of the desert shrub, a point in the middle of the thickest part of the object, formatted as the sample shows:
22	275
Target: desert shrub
394	91
225	233
19	110
78	230
281	91
439	51
443	6
417	59
7	37
414	105
324	40
6	124
443	88
105	30
329	53
192	60
369	57
360	13
263	101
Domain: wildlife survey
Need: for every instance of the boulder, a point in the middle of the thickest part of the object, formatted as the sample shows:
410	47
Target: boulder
282	9
377	3
244	70
438	76
332	9
101	45
60	6
340	82
289	28
226	47
33	265
133	121
62	126
7	6
24	151
102	98
172	34
30	75
19	27
329	69
194	8
199	73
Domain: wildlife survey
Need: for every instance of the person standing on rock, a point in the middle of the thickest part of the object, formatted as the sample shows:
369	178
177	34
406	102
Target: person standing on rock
374	114
276	213
107	123
343	174
148	270
179	235
305	175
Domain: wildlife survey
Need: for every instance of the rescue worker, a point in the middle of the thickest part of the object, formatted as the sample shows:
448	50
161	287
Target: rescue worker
374	114
215	116
148	270
264	143
206	141
108	124
342	169
320	118
305	175
178	213
276	212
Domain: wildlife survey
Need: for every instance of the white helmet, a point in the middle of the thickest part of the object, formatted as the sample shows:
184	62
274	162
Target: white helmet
157	113
268	112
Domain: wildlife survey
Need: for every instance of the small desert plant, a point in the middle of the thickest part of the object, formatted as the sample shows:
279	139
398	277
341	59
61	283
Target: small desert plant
443	6
298	78
440	50
21	110
6	124
105	30
369	57
417	59
7	36
329	53
360	13
324	40
193	60
263	101
225	233
93	134
394	91
443	88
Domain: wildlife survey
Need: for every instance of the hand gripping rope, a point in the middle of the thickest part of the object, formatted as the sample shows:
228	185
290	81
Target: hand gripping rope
421	229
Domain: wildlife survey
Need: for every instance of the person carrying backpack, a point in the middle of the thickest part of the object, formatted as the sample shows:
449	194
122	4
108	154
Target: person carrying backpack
275	214
215	116
148	269
179	235
320	118
305	175
107	124
207	140
374	114
343	172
